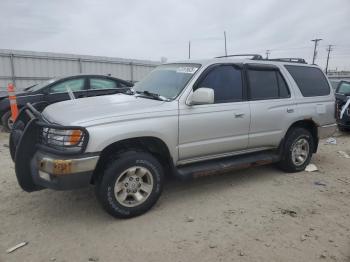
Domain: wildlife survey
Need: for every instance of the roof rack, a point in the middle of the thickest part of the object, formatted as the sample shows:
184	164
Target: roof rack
259	57
254	56
289	59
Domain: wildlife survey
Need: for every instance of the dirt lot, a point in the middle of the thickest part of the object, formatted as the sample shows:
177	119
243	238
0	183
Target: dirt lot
244	216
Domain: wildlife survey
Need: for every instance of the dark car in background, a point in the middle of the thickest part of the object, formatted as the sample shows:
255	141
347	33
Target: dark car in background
342	94
56	90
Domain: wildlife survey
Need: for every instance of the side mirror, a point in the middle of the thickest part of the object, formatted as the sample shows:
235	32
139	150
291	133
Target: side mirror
202	96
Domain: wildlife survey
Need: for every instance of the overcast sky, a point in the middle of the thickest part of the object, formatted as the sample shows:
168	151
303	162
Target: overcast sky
162	28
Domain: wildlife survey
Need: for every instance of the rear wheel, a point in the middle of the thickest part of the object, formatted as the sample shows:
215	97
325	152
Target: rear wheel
297	151
6	121
131	184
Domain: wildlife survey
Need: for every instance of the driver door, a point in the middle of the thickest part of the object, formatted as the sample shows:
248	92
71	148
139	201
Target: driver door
212	130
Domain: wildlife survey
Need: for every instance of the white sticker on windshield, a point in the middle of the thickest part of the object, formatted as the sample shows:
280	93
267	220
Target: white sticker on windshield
187	70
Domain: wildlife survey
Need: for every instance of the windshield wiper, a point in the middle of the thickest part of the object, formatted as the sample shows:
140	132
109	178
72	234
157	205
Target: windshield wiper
151	95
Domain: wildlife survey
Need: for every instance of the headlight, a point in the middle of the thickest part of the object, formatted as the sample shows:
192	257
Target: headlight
73	140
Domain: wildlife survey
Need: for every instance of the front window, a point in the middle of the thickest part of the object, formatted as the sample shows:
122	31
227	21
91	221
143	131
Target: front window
167	80
344	88
73	84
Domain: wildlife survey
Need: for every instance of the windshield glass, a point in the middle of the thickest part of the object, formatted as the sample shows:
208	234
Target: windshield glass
344	88
167	80
40	85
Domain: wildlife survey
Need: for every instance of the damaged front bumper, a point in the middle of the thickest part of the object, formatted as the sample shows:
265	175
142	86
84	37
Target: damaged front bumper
40	166
61	173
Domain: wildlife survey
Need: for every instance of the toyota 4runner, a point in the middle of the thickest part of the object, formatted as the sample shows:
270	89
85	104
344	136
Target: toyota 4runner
187	119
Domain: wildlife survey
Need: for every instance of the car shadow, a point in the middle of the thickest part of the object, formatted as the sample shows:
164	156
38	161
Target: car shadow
59	206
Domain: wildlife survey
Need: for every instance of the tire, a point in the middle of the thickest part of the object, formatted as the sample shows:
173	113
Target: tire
300	140
5	120
343	129
118	172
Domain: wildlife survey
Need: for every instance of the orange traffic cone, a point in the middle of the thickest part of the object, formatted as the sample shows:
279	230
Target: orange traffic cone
13	101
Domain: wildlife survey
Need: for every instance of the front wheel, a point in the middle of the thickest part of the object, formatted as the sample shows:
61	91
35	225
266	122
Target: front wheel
131	184
297	151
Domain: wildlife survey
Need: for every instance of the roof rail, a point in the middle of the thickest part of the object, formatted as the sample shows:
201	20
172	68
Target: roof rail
259	57
289	59
254	56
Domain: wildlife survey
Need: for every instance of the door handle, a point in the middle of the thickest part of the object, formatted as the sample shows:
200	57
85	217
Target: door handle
290	110
239	115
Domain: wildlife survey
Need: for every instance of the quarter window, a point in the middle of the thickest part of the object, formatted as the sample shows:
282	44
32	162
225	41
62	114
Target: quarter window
310	80
72	84
226	81
97	83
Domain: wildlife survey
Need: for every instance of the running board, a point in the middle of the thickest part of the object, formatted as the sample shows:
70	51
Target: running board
223	165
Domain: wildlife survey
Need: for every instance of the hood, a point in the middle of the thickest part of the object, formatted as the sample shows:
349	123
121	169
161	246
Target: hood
99	109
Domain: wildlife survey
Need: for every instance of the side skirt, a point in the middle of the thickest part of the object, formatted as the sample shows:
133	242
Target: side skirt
223	165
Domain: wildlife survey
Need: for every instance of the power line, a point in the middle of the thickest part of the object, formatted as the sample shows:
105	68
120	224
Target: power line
225	43
267	54
315	51
329	49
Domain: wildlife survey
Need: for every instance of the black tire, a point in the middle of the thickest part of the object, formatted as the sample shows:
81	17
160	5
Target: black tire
343	129
115	169
295	134
4	121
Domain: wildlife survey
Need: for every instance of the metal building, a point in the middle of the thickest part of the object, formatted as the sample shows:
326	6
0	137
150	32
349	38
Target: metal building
25	68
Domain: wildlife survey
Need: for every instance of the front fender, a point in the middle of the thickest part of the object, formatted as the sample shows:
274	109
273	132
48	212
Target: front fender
164	128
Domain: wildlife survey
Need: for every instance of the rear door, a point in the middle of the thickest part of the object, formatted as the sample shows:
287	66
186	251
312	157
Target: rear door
271	103
207	131
59	91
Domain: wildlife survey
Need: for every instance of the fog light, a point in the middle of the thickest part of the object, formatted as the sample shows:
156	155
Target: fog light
44	175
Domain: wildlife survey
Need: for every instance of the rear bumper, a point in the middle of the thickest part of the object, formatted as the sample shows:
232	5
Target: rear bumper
326	130
62	172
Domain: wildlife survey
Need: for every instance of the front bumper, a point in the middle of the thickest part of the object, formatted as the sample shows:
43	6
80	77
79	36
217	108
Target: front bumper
62	172
326	130
38	166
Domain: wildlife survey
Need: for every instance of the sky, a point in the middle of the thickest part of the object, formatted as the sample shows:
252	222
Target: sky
162	28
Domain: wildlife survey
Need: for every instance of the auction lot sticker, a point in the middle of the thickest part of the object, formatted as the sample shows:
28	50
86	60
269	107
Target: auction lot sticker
187	70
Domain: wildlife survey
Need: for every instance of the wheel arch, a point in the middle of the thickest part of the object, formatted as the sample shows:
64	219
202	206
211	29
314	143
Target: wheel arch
308	124
153	145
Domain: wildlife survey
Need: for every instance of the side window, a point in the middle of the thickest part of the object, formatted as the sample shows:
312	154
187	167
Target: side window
74	84
262	84
267	84
344	88
226	80
99	83
310	80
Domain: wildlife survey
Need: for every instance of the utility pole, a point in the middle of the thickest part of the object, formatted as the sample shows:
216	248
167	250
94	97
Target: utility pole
315	52
189	49
225	43
267	53
329	49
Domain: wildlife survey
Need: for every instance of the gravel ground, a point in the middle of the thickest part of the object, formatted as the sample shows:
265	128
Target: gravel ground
257	214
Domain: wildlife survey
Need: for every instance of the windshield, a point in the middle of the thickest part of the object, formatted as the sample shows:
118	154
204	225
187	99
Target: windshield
37	87
167	80
344	88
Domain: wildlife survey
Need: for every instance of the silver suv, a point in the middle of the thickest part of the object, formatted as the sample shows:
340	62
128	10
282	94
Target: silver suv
186	119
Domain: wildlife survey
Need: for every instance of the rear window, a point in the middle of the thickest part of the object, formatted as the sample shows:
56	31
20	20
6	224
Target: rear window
310	80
